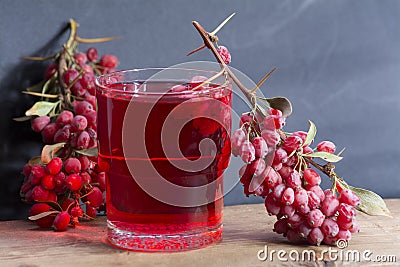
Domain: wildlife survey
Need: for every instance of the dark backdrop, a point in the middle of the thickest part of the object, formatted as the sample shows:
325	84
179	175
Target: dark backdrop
338	61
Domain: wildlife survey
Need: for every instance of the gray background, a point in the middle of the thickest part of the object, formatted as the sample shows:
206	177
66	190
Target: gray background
338	61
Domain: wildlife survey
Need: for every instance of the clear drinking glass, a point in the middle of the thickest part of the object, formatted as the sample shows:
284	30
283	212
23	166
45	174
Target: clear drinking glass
164	146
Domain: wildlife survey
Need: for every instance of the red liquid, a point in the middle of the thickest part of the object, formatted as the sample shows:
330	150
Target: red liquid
131	209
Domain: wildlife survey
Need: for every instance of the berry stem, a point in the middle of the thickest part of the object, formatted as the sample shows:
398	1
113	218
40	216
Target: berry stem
208	42
62	66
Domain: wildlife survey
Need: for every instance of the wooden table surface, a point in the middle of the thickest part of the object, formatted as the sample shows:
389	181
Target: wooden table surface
247	230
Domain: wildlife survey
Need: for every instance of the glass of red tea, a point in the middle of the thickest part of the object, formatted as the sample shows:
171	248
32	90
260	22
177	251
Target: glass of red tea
164	144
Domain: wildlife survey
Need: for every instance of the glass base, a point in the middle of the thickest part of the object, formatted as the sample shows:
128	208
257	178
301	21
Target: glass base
166	243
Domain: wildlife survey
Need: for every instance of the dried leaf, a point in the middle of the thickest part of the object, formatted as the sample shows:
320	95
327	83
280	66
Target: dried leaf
49	151
40	58
41	108
371	202
281	103
24	118
36	88
90	152
312	131
42	215
325	156
35	161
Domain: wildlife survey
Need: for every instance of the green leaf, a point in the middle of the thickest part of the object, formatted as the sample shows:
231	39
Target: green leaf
371	203
41	108
324	155
312	131
49	151
90	152
42	215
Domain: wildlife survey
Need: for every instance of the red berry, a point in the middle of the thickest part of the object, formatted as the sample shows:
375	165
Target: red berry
40	194
329	227
73	182
85	162
237	138
63	134
83	140
48	182
224	53
318	191
87	80
330	240
26	170
349	197
82	107
288	196
68	204
87	69
78	90
288	210
269	123
54	166
300	199
80	58
257	167
39	123
45	222
326	146
316	236
50	70
48	133
108	61
92	54
294	237
311	177
271	137
72	165
272	178
293	180
39	208
70	75
292	143
76	212
37	172
280	156
95	197
91	211
247	152
278	191
329	205
314	201
355	227
65	117
344	235
315	218
346	213
61	221
295	221
304	230
91	120
59	179
273	207
260	146
79	123
86	179
301	134
281	226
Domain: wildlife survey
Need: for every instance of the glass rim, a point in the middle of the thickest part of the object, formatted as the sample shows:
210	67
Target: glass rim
104	87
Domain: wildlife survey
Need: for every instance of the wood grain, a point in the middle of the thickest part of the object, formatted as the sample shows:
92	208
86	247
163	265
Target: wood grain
247	229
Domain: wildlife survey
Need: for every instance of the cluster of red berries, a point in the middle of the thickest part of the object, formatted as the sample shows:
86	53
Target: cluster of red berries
70	186
67	185
276	170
